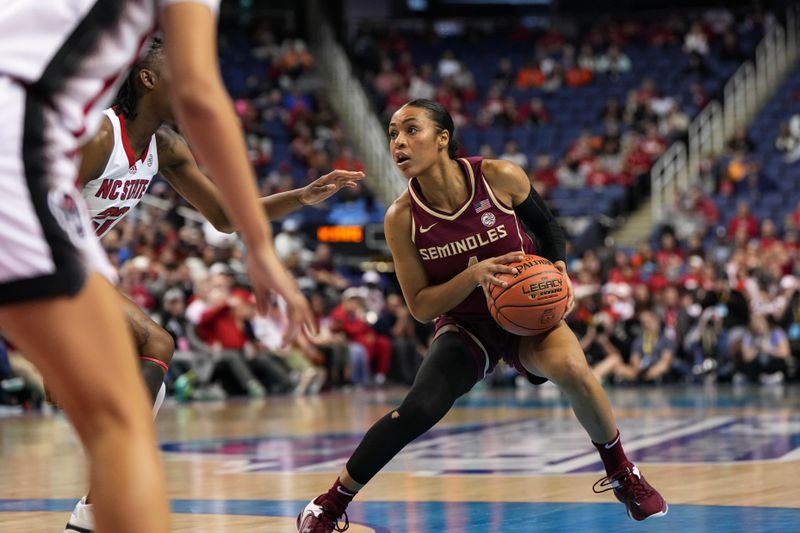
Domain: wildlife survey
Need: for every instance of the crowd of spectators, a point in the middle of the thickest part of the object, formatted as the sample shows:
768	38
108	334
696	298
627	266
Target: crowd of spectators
726	310
293	135
636	129
705	301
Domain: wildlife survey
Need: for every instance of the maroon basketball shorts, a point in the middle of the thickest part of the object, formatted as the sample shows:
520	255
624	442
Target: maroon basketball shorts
488	343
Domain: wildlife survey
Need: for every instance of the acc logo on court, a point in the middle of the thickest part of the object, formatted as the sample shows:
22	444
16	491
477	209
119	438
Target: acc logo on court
488	219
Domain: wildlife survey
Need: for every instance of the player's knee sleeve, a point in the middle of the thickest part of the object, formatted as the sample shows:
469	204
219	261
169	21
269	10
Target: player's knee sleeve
443	377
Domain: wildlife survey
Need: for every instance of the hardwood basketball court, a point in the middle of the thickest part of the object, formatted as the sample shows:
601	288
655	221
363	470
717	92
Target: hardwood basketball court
726	459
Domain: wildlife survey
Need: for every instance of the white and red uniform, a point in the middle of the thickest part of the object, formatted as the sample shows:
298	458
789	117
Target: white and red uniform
61	63
124	180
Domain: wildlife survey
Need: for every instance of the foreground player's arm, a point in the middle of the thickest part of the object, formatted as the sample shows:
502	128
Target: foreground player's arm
206	114
512	186
95	153
427	302
179	168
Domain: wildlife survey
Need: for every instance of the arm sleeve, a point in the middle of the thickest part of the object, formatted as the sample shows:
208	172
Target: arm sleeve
540	221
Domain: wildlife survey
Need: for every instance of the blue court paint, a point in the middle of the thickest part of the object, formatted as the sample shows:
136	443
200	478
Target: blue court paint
486	517
522	447
633	397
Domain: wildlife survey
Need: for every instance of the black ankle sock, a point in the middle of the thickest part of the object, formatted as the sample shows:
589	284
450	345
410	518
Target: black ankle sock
153	375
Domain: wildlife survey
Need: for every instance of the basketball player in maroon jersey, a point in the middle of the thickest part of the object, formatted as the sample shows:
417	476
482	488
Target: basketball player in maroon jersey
457	227
60	63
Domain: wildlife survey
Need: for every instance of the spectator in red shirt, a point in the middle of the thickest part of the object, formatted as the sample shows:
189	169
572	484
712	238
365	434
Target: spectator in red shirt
653	145
743	219
405	66
349	317
657	282
492	106
387	79
598	176
460	115
222	324
669	251
694	278
701	203
544	171
769	234
623	271
534	113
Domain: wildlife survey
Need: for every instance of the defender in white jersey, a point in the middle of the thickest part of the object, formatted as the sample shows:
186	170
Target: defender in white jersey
60	62
131	147
123	182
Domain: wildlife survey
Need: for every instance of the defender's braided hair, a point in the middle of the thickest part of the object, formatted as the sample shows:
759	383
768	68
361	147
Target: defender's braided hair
128	96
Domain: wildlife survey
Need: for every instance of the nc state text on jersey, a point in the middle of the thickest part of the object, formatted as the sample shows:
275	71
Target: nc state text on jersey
132	189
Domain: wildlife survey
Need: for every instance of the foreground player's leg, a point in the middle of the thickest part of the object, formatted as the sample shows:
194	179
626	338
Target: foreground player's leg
557	355
446	374
84	352
155	348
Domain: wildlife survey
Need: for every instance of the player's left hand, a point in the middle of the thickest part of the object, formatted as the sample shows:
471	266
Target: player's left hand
562	267
323	188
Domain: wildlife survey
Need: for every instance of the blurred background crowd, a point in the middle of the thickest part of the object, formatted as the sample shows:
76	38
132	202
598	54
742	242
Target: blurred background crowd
585	107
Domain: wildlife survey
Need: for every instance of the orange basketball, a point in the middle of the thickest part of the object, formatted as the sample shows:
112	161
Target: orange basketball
534	301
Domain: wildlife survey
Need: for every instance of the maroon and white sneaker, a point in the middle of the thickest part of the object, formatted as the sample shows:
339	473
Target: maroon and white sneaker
315	518
630	487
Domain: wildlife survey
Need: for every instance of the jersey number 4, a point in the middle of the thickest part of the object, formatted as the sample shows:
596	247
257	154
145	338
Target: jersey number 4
106	218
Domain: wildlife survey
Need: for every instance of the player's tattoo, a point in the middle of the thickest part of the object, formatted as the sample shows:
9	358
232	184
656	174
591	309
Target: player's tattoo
167	139
140	329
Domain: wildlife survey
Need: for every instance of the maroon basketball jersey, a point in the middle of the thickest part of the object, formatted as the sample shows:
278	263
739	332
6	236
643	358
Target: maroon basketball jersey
450	242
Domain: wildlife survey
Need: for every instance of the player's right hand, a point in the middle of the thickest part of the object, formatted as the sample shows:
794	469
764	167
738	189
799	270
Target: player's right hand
485	272
268	275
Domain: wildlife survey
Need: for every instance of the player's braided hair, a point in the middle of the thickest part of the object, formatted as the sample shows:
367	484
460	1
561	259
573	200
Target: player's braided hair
441	117
128	96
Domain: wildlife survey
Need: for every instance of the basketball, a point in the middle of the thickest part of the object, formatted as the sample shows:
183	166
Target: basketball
534	301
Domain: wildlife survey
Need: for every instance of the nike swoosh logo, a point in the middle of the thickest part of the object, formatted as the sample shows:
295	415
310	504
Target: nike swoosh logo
426	230
611	444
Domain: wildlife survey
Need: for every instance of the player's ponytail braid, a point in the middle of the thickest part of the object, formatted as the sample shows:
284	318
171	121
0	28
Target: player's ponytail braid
441	117
127	99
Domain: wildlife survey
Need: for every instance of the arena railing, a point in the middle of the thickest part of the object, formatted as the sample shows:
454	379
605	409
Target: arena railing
351	103
743	96
671	165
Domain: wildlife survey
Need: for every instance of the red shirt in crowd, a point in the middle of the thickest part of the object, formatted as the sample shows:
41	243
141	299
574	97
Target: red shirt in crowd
355	328
749	223
219	325
708	208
